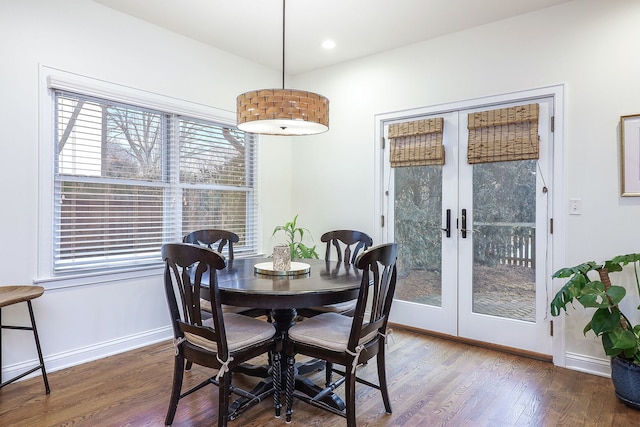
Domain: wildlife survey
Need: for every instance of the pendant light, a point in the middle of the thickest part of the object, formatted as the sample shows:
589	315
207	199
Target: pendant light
282	111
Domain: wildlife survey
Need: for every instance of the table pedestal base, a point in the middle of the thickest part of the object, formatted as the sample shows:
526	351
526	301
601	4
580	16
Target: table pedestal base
305	388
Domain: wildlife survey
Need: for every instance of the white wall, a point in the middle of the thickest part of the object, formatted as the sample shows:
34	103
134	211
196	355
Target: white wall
98	318
588	45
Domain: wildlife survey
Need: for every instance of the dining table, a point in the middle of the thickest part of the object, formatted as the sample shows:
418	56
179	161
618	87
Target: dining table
252	282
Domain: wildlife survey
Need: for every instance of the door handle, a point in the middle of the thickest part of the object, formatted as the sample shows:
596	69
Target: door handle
447	228
463	230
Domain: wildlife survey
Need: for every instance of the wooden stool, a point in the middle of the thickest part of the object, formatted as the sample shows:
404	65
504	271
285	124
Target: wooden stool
13	295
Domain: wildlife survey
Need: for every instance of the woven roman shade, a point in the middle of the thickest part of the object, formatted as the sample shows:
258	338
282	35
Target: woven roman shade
504	134
417	143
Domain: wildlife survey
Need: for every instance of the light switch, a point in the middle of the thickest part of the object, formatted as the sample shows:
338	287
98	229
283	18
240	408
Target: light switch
575	206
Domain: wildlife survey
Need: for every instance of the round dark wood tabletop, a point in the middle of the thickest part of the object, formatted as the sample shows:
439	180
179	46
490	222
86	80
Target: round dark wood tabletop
326	283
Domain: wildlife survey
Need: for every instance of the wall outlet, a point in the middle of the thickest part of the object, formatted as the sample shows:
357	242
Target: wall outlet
575	206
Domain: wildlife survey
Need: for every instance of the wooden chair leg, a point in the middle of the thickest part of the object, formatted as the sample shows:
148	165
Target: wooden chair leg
224	393
328	373
178	375
382	378
350	397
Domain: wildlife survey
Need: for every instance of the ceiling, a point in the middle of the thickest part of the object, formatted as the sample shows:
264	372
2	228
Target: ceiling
253	28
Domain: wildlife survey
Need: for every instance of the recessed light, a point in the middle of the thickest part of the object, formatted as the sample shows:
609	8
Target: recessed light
328	44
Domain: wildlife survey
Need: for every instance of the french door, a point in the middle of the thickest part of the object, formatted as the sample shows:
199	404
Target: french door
473	237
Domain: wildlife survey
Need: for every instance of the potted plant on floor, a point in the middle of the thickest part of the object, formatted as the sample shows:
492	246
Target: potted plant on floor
620	338
294	236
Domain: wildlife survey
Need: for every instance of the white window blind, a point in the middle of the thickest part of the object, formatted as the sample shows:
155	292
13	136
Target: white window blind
128	179
217	181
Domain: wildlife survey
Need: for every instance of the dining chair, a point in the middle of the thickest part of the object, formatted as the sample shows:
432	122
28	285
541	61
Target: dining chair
214	239
346	245
223	341
14	294
349	341
219	240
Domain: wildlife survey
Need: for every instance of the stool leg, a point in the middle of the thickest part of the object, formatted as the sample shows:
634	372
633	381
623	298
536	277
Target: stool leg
1	345
35	336
37	340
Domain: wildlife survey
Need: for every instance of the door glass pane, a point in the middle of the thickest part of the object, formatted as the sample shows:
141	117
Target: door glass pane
504	212
418	213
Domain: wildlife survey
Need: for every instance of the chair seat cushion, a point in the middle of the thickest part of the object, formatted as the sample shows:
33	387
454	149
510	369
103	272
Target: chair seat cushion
242	331
205	305
326	330
341	307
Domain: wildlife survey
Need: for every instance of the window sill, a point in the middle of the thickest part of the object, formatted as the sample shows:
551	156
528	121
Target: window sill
83	279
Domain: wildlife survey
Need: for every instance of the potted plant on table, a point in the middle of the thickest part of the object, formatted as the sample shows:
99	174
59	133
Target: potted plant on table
294	235
620	338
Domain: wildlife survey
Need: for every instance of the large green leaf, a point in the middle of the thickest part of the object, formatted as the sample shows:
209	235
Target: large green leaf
604	320
609	349
616	293
583	268
623	339
571	290
593	295
616	263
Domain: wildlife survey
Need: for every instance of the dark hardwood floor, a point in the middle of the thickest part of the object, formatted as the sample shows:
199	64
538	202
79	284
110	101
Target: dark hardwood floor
433	382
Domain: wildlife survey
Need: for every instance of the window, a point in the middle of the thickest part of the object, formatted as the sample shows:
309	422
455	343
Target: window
128	178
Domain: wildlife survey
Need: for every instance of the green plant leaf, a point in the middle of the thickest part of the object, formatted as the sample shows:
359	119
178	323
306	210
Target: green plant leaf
616	293
604	320
306	252
583	268
613	265
623	339
621	260
293	250
607	322
571	290
586	329
609	350
632	353
294	236
593	295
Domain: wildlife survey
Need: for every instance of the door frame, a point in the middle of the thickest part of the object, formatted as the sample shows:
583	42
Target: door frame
556	250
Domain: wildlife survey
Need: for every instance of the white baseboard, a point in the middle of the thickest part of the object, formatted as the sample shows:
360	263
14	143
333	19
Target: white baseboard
587	364
78	356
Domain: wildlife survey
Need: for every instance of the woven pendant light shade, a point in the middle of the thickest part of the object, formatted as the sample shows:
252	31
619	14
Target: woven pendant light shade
282	112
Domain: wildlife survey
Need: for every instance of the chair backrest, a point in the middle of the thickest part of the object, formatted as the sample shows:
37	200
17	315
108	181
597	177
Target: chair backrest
210	237
348	244
378	265
185	267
